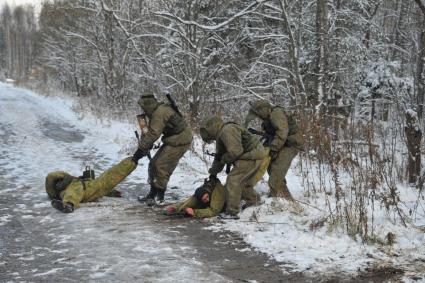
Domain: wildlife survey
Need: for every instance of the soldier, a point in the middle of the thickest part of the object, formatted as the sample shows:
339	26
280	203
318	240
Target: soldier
67	191
284	140
167	121
236	146
207	201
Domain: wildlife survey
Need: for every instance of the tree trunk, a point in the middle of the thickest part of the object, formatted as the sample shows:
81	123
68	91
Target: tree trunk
420	68
321	49
413	137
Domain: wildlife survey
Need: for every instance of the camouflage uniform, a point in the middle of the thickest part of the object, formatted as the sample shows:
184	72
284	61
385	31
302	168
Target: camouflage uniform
203	210
284	144
76	190
176	140
235	145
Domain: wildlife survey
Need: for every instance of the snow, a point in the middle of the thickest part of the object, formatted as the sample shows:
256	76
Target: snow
276	227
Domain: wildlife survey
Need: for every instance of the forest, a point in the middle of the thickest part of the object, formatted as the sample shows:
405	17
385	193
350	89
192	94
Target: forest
351	72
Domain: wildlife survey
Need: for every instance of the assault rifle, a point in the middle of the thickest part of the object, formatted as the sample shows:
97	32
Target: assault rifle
173	104
228	166
265	137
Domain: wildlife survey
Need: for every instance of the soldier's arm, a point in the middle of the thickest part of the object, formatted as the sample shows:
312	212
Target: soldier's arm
232	140
280	123
217	166
156	126
51	178
191	202
216	204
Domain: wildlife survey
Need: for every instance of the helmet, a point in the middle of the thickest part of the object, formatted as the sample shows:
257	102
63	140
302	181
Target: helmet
210	127
148	103
260	108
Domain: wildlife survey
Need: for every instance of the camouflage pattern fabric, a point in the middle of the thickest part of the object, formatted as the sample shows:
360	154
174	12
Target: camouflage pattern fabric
76	193
246	154
165	121
286	143
202	210
163	164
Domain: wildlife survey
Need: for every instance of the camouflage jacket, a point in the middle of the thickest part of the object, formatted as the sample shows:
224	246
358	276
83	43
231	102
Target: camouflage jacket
202	210
165	121
233	143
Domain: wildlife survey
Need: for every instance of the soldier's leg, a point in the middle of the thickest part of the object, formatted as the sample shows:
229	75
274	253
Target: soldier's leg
277	171
237	182
164	163
103	185
251	179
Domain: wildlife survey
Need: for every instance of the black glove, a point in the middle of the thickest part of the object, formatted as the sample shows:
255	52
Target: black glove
212	178
273	154
138	155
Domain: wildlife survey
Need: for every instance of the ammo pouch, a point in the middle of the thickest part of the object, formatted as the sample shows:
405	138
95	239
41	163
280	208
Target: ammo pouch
175	125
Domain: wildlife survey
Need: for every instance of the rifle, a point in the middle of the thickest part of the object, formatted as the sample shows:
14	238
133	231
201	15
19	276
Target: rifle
265	137
228	166
173	104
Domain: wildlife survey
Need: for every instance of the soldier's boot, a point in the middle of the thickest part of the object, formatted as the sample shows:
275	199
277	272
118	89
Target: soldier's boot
114	194
285	193
160	197
228	216
61	206
149	199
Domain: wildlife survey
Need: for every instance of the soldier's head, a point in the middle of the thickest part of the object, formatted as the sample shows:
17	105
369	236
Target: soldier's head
259	109
148	103
210	127
203	194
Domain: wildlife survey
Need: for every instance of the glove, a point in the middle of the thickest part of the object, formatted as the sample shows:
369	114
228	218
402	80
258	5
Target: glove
189	212
273	154
138	155
213	178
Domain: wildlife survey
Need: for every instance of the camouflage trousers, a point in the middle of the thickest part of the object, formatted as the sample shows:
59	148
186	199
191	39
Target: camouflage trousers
240	184
76	192
164	163
277	172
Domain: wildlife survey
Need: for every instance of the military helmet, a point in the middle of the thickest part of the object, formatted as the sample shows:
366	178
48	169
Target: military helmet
148	103
210	127
260	109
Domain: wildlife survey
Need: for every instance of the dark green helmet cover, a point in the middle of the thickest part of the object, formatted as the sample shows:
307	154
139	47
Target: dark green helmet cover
148	103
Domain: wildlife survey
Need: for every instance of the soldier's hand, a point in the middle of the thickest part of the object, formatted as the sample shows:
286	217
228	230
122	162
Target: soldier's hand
213	178
171	210
273	154
189	211
138	155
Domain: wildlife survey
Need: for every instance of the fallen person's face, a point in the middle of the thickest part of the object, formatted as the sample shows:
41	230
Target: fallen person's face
205	198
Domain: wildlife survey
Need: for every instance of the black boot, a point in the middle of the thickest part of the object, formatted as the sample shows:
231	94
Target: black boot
160	197
150	197
64	207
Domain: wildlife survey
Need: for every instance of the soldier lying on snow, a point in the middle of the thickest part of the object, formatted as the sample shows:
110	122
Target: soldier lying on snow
67	191
207	201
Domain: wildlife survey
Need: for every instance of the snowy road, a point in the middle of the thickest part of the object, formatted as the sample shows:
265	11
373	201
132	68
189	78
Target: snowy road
111	240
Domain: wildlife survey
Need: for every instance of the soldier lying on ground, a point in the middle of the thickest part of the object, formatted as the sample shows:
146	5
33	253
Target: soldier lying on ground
207	201
67	191
176	139
236	146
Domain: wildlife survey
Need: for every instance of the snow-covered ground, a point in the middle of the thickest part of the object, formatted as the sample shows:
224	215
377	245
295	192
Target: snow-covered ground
276	227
